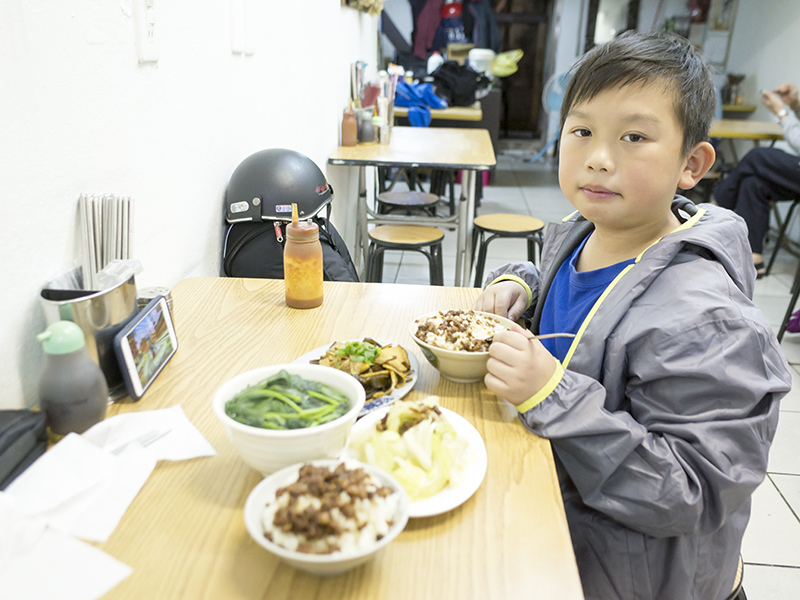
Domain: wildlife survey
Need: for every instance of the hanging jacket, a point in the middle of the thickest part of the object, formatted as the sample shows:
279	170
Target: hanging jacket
664	411
481	26
425	27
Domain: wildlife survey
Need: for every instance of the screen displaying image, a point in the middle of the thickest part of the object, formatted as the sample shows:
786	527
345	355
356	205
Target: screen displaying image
150	344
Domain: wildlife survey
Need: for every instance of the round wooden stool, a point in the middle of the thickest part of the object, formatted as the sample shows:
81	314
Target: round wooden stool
415	238
389	202
504	225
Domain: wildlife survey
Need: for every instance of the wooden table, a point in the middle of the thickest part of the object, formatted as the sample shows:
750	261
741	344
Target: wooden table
469	150
451	113
184	533
738	129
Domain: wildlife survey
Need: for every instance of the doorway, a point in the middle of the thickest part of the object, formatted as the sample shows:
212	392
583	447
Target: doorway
524	24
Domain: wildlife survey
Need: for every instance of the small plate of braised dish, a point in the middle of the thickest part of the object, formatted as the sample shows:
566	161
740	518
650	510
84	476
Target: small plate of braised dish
386	370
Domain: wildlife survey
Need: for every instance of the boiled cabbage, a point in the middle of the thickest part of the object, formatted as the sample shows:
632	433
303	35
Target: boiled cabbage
418	447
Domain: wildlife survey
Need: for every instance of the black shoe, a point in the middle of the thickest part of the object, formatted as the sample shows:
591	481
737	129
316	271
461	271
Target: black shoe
760	270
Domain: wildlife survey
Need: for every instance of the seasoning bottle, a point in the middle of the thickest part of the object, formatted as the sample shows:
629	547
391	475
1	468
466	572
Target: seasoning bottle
366	130
349	129
73	393
302	263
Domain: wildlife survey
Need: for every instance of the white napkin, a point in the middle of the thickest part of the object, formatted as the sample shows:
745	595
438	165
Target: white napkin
182	441
37	562
80	488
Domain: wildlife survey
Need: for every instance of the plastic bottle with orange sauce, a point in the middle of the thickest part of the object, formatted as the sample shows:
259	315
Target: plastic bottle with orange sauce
302	263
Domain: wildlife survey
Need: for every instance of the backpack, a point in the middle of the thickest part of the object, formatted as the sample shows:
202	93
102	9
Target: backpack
457	83
255	249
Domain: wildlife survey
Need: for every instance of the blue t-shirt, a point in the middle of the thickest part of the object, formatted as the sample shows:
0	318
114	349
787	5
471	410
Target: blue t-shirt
571	297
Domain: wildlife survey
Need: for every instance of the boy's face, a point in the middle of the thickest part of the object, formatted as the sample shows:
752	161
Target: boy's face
621	157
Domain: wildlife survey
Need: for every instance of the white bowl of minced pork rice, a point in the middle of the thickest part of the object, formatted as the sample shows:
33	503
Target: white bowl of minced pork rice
326	516
456	342
280	415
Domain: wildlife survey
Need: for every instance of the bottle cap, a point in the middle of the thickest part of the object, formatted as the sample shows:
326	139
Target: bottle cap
62	337
302	230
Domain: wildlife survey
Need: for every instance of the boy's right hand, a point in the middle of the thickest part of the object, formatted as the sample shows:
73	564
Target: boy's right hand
505	298
519	365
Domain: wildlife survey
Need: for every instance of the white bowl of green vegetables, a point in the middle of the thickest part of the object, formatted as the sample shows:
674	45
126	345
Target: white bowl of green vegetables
281	415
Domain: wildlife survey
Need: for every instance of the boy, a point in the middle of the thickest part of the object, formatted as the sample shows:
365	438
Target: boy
661	410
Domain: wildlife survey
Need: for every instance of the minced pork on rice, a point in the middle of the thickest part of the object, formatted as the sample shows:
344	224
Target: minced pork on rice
328	511
460	330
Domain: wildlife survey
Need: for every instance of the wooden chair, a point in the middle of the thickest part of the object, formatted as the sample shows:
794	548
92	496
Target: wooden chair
415	238
504	225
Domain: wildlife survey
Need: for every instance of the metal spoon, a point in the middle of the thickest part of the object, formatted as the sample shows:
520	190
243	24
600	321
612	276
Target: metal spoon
543	336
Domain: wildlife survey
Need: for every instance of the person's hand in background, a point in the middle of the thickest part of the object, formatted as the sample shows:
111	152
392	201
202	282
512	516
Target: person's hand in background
788	95
772	101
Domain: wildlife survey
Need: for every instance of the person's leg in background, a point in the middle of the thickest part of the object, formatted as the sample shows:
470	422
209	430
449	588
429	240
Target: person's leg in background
762	176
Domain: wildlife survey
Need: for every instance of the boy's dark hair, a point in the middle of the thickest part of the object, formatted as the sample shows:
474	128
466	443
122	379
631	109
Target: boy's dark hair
640	58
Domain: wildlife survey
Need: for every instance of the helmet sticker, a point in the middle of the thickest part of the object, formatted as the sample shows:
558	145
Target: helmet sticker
238	207
283	208
321	189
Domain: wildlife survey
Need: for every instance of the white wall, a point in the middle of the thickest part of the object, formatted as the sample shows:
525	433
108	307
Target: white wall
78	114
765	47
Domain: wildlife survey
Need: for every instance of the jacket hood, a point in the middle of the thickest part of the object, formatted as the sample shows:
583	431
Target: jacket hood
712	231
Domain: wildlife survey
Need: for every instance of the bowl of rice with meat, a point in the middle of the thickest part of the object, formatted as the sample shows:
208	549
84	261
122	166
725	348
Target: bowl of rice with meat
456	342
326	516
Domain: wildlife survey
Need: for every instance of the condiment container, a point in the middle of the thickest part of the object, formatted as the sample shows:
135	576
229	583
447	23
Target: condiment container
73	393
377	122
349	129
302	265
435	60
366	130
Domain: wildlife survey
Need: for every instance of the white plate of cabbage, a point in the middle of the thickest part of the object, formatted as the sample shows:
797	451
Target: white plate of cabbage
437	455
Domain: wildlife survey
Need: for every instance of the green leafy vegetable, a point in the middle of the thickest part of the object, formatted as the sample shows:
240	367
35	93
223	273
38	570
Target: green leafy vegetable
286	401
365	352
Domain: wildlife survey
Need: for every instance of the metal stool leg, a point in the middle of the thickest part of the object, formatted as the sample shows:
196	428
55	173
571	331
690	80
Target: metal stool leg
375	264
792	303
781	232
480	264
531	243
436	268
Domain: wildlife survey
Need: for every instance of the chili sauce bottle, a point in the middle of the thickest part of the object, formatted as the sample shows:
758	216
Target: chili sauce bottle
302	263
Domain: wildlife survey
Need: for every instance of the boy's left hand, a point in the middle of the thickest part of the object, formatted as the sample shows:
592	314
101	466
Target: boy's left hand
519	365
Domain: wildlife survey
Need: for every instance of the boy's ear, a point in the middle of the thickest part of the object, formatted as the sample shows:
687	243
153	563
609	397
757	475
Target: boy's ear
701	159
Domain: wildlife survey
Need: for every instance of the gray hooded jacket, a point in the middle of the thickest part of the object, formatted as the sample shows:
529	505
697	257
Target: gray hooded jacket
663	416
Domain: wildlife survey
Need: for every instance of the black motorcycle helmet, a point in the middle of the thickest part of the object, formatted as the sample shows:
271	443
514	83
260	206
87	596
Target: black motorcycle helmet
265	184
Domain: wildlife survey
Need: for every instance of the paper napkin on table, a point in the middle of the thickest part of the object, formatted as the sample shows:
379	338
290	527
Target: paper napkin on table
81	488
38	562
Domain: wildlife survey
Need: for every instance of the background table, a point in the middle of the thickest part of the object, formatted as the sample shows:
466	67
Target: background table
451	113
468	150
737	129
184	534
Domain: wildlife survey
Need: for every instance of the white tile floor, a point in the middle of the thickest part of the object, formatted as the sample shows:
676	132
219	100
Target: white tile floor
771	548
